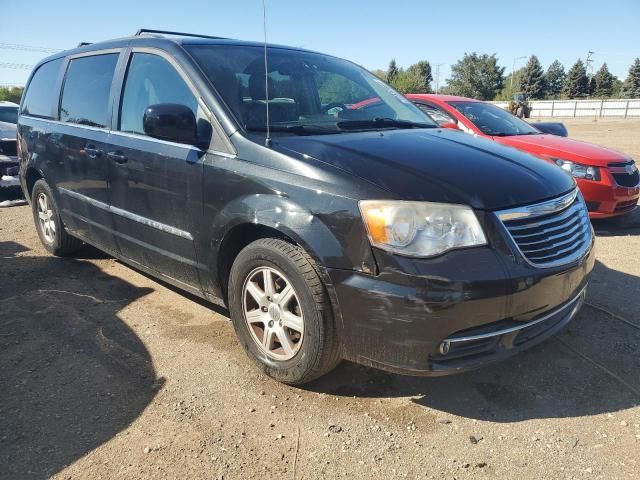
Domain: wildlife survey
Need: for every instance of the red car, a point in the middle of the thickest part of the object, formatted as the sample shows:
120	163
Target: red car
608	180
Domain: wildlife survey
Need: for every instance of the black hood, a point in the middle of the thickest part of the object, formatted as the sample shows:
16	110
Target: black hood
436	165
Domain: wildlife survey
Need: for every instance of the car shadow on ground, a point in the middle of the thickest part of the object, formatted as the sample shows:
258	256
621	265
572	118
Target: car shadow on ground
73	374
612	227
589	368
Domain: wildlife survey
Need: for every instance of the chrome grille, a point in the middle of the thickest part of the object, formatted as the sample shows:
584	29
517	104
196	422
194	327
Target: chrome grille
550	233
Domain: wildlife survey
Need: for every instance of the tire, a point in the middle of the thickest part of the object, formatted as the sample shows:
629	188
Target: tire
48	223
311	353
520	112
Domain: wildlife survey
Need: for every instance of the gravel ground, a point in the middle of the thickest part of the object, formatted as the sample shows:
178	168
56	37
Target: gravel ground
107	373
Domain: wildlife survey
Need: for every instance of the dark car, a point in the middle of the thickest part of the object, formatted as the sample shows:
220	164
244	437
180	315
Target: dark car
330	232
9	181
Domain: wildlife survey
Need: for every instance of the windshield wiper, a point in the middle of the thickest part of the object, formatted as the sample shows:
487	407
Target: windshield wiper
298	129
381	123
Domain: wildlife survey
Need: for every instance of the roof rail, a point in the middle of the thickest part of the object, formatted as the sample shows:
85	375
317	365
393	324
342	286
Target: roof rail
143	31
83	44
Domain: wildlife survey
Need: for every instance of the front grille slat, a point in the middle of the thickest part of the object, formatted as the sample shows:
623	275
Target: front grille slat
554	245
542	221
572	226
545	237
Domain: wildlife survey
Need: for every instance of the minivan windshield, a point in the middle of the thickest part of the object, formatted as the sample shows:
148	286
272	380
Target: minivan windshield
308	93
9	114
492	120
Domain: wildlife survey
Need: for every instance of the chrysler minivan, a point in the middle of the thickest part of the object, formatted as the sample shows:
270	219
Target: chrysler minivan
330	232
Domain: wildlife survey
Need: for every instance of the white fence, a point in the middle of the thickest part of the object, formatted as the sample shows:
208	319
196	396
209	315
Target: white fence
618	108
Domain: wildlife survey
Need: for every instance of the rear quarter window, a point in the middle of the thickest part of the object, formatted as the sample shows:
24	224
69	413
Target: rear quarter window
85	96
42	96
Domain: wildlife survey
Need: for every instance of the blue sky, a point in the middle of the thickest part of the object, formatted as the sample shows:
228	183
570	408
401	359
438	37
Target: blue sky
368	32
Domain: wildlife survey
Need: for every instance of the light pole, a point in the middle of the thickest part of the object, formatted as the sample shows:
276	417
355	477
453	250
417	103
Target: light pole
438	76
513	70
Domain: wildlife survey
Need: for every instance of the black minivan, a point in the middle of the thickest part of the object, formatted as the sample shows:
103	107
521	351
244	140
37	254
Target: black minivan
332	217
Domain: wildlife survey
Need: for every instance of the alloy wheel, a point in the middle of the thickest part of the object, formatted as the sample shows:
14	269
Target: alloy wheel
45	217
273	313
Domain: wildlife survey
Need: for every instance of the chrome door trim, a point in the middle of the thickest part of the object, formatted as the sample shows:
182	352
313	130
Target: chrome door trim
127	214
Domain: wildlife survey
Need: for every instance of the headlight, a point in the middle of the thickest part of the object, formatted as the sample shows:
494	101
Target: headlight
578	170
420	229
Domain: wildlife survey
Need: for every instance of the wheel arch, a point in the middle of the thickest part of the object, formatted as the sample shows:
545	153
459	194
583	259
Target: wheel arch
32	175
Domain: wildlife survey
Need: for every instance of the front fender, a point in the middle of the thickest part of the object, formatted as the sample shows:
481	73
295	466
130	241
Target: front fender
331	232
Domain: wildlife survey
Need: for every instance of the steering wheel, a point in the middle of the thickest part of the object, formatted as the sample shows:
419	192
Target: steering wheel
331	105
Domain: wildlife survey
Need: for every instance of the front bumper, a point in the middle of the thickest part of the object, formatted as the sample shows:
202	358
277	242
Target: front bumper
9	178
605	198
402	322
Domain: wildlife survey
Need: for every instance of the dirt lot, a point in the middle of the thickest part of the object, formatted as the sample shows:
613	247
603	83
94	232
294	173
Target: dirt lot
106	373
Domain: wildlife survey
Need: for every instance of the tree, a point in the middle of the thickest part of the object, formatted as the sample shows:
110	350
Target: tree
415	79
381	74
603	82
592	85
420	73
577	83
631	86
532	81
476	76
392	71
11	94
554	79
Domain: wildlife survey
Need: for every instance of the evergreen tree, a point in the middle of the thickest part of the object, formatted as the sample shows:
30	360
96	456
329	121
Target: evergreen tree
631	86
576	84
476	76
592	85
392	71
554	79
532	81
603	82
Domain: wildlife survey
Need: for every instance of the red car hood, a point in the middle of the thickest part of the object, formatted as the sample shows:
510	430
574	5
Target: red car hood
565	148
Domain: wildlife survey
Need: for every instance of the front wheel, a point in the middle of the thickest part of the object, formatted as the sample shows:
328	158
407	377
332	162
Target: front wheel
281	313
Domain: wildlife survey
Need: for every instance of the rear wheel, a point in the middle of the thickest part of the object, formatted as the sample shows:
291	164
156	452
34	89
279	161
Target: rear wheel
49	225
281	313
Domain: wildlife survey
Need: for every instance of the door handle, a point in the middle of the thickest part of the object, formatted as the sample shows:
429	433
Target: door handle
92	151
118	157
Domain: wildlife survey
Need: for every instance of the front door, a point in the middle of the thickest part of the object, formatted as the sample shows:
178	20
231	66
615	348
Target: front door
155	185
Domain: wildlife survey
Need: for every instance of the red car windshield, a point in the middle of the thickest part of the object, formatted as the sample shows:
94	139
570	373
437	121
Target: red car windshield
494	121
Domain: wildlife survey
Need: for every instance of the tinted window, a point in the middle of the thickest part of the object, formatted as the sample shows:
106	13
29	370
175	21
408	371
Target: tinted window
85	96
41	95
302	89
9	114
151	80
492	120
436	114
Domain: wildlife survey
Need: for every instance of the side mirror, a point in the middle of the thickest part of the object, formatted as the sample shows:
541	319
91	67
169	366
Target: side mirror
173	122
450	126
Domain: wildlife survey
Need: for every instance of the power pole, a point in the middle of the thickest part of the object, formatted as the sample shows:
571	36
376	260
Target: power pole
589	67
589	61
438	76
513	70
